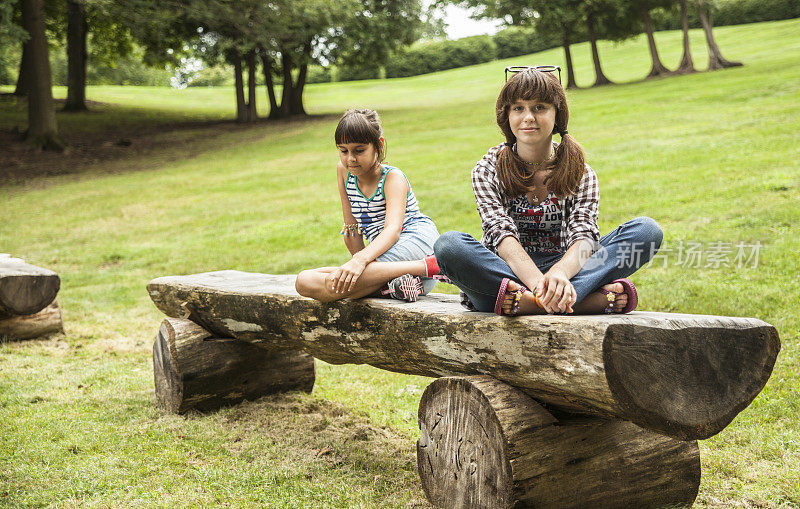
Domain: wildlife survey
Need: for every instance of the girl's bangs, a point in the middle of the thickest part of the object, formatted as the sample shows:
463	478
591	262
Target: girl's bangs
355	129
531	85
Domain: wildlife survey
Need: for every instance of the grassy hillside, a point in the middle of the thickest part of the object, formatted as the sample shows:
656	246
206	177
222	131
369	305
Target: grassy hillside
713	157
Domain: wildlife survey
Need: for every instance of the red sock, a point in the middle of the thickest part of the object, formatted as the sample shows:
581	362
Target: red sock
431	266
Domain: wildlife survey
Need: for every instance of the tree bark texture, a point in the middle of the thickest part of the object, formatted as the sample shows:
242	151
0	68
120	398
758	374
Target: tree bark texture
685	376
241	106
600	77
195	370
715	58
25	289
287	95
42	127
77	31
657	68
266	65
22	77
46	321
252	112
687	64
571	83
486	444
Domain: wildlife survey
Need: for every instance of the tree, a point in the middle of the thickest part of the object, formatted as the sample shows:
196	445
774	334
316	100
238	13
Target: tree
42	128
562	21
657	68
77	57
715	58
687	64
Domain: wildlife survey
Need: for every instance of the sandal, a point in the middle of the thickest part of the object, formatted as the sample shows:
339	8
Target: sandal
628	289
405	287
501	295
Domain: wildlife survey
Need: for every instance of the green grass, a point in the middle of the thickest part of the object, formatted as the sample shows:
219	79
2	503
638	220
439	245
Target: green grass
713	157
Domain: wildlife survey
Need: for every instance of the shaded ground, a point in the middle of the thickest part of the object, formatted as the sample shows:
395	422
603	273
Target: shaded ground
102	139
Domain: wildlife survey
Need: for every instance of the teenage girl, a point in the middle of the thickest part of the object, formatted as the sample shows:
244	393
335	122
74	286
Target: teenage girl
541	250
377	203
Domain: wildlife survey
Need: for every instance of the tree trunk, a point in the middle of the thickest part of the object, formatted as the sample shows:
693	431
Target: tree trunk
25	289
287	96
22	80
600	77
297	92
571	83
36	325
687	64
715	58
700	371
486	444
194	370
42	128
77	31
266	64
241	106
657	68
252	112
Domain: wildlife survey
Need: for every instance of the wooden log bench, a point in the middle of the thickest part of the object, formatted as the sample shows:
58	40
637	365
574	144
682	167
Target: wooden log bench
545	411
28	308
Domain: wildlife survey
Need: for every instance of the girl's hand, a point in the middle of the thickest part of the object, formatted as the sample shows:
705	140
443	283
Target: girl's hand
344	278
556	293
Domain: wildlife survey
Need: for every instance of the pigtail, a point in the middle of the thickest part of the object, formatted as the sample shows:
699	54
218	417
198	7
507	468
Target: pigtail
567	167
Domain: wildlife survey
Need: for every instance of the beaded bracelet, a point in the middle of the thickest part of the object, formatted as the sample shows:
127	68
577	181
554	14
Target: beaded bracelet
350	230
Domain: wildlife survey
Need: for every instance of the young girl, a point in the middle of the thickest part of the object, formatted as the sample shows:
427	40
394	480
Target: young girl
541	250
377	202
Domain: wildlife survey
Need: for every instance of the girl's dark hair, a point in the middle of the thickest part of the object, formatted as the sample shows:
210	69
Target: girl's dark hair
567	167
361	126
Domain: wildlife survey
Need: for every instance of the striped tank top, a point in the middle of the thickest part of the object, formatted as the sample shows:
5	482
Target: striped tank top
371	212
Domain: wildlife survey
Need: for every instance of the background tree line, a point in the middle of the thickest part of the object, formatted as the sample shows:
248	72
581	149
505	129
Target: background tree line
281	44
281	38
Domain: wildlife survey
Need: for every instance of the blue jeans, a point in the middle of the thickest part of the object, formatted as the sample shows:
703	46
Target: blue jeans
478	272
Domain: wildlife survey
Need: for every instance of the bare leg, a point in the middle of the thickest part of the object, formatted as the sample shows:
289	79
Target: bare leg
314	283
593	304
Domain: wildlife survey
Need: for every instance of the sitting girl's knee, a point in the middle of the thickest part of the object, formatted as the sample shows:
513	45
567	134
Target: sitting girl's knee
302	283
447	244
649	231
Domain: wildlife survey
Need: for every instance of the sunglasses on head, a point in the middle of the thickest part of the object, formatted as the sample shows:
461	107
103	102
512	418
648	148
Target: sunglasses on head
514	69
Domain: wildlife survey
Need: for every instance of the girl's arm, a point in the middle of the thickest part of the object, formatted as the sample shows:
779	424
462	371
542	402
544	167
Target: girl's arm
499	229
354	243
395	188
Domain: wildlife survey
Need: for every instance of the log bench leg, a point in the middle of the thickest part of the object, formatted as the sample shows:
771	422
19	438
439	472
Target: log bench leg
194	370
486	444
46	321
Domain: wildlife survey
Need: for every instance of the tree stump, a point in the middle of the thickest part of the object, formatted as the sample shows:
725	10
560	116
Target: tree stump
195	370
486	444
46	321
25	289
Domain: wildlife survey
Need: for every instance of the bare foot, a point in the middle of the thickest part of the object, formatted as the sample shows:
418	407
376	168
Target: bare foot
527	304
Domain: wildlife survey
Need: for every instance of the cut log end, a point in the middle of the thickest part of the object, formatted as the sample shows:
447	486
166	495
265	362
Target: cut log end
460	458
688	383
484	443
194	370
25	289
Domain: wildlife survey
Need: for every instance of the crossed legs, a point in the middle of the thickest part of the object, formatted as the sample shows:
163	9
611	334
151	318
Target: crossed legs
316	283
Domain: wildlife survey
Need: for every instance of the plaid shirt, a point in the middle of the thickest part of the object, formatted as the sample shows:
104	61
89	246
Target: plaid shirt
494	207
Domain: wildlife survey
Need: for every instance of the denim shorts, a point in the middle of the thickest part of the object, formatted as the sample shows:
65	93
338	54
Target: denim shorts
415	243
